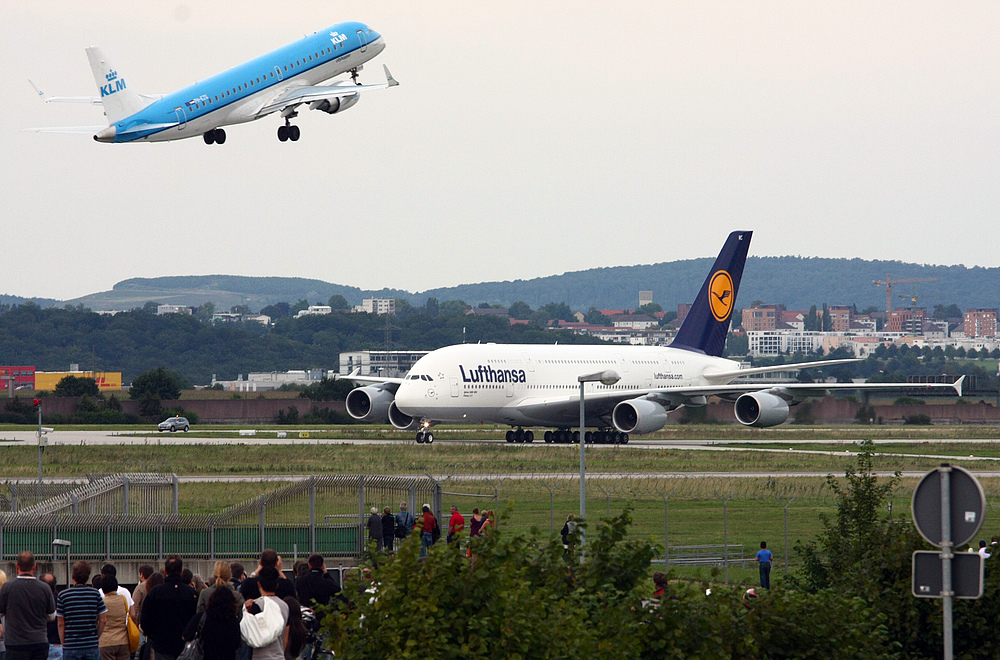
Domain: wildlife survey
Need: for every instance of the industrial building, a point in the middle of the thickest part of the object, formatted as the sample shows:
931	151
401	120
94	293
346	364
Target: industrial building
379	363
107	381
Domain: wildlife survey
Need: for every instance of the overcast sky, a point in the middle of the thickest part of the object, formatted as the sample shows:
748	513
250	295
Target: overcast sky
526	138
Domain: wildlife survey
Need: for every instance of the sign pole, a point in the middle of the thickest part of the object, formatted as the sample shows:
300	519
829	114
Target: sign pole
946	555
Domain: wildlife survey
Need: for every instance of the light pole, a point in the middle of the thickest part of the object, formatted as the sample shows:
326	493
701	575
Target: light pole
607	377
57	543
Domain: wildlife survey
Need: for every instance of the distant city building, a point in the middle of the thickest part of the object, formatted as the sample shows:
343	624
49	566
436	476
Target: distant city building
906	319
272	380
377	306
224	317
172	309
379	363
980	322
314	310
645	298
761	317
682	312
634	321
486	311
840	317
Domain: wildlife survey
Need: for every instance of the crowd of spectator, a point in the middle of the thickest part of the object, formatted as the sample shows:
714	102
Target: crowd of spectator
235	616
263	615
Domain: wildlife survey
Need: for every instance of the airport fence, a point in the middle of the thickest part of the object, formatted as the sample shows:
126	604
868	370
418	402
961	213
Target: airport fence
697	522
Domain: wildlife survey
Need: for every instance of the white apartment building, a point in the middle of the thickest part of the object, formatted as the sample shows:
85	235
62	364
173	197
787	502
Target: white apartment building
314	310
377	306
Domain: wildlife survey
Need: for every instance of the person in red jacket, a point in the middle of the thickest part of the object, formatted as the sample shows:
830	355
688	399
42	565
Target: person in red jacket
427	525
455	524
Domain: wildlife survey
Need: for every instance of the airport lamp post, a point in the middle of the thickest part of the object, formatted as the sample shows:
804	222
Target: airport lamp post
607	377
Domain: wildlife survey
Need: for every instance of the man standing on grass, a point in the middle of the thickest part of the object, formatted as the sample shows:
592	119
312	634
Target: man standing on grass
456	523
82	616
764	557
27	605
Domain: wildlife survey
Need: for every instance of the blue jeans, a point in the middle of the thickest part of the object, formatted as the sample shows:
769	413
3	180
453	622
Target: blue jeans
93	653
426	541
765	574
55	652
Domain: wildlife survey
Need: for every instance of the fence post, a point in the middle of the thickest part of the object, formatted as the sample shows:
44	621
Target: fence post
786	536
211	536
2	519
413	497
260	524
312	514
725	535
76	503
552	505
361	515
125	494
159	540
176	486
107	538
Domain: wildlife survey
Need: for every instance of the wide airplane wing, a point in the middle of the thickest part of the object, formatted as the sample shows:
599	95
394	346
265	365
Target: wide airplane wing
299	95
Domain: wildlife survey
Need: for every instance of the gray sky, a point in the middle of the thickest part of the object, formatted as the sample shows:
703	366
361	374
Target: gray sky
527	138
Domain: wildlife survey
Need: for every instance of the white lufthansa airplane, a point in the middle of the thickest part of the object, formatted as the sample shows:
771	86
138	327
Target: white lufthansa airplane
636	388
281	81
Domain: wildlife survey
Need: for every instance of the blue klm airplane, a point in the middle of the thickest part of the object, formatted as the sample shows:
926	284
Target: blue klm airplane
279	82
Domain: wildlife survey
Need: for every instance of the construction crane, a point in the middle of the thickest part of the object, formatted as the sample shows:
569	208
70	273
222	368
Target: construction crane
888	286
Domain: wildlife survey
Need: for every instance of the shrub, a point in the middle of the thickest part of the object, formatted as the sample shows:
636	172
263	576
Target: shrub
917	420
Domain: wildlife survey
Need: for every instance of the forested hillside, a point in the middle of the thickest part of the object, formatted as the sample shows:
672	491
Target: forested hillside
134	342
798	282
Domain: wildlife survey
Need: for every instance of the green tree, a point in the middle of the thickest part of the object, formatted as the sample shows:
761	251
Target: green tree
77	386
595	317
279	310
150	307
520	310
205	311
239	309
157	383
298	307
338	302
945	312
328	389
431	308
649	308
453	308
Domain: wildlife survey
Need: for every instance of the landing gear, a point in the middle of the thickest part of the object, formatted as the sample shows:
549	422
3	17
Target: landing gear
520	435
215	136
354	76
288	132
425	437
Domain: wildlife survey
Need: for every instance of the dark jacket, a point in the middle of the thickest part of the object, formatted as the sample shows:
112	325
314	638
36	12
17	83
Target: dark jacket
316	586
166	612
375	527
250	588
388	525
220	638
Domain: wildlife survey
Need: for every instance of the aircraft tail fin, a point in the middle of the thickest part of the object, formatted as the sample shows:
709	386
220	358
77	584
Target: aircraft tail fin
707	323
118	99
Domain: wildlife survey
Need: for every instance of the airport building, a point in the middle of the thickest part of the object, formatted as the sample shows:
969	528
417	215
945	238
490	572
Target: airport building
266	381
389	364
11	378
107	381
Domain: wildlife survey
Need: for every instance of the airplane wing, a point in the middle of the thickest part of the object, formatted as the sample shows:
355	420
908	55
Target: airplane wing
602	402
298	95
391	384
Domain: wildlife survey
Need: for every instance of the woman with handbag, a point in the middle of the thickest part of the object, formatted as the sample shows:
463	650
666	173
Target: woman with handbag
114	639
216	631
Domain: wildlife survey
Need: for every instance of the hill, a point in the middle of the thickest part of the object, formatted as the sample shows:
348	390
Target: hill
798	282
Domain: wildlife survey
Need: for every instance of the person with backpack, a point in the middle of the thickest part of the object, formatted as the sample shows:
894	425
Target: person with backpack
404	522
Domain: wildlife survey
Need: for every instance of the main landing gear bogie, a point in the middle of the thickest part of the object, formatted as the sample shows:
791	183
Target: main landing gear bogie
600	437
520	435
288	132
425	437
215	136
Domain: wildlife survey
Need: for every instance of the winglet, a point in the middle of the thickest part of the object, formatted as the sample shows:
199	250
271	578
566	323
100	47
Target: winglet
958	385
40	92
392	82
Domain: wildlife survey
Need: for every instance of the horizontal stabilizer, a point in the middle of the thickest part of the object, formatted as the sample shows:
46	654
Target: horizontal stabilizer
92	100
67	129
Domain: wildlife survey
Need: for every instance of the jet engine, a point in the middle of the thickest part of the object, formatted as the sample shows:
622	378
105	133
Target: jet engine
639	416
334	105
761	409
401	420
369	404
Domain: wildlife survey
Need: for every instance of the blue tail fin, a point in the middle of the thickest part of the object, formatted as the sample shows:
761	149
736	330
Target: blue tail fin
707	324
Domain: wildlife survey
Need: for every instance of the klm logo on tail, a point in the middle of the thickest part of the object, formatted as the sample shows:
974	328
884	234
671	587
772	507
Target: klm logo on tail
114	84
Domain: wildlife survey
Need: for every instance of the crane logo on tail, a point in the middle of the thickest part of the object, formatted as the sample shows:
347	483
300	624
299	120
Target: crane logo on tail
720	295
